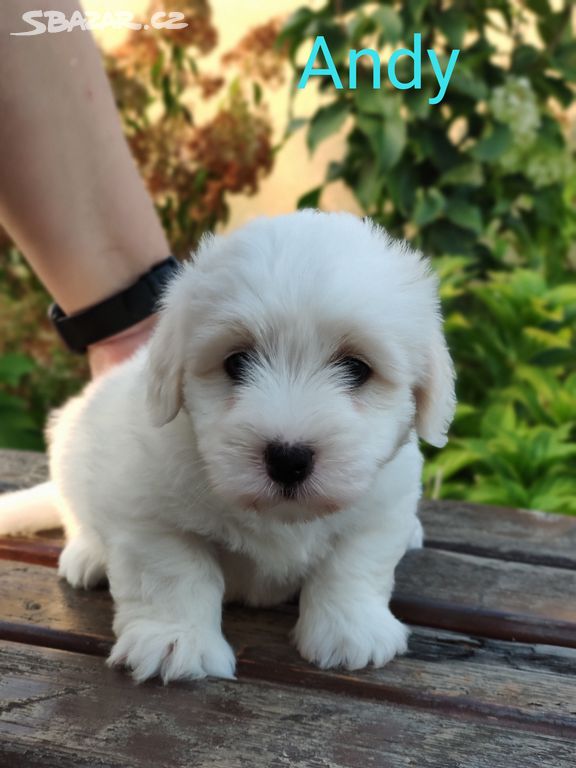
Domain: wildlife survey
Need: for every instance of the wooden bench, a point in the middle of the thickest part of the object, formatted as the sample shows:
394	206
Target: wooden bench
489	681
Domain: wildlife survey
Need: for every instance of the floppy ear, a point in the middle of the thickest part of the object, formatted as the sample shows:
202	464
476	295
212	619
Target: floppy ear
435	395
165	362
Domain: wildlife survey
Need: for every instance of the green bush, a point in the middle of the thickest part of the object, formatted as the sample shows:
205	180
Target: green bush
36	372
485	183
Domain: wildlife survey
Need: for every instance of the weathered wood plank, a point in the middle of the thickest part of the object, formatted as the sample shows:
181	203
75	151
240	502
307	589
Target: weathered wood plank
493	598
511	534
39	550
446	590
22	469
63	709
454	673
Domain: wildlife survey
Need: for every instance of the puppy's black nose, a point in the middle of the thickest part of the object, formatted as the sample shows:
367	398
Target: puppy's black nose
287	464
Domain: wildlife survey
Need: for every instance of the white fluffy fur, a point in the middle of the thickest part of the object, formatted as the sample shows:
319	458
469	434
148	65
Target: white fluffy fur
159	470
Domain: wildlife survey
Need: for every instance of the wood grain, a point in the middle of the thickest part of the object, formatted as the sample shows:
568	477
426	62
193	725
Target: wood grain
65	709
22	469
497	532
493	598
40	550
455	673
445	590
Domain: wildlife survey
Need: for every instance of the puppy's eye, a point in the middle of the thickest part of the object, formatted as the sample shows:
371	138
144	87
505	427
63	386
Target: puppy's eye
238	364
356	371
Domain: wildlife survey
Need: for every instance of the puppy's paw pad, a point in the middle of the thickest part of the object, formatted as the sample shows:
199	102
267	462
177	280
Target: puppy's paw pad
172	651
82	563
350	642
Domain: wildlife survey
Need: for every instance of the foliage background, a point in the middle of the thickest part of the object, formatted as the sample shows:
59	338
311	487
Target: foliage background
485	183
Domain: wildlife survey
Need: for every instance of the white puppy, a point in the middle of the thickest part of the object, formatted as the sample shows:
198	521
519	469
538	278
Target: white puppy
264	442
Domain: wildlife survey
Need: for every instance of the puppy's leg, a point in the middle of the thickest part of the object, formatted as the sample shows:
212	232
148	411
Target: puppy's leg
344	615
82	562
168	596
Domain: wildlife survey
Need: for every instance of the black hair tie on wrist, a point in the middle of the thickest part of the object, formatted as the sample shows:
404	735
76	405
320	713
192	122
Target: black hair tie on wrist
115	314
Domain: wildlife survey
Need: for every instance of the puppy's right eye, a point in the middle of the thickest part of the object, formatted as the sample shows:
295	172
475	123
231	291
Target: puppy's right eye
237	365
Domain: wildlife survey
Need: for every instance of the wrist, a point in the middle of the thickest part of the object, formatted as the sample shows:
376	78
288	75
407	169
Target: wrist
109	352
116	314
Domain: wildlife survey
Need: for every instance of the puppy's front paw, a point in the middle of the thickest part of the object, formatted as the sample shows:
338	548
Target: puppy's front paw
82	563
331	639
172	651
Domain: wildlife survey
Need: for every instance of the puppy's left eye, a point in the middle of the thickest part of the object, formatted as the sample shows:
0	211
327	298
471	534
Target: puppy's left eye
356	371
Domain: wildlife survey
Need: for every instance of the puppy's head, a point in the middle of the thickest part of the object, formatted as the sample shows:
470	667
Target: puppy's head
304	348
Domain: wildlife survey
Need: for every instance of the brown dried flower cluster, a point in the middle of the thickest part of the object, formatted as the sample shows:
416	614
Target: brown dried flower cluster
140	51
235	149
199	33
209	84
189	168
257	55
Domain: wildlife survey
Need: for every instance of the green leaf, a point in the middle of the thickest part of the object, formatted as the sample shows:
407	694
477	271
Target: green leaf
168	97
390	24
444	236
327	121
553	26
334	171
295	124
417	102
449	462
557	87
453	24
466	174
563	295
359	26
565	59
310	199
200	178
370	101
541	7
526	59
434	143
465	215
467	83
387	138
368	185
494	145
336	39
429	206
13	367
156	70
555	356
402	185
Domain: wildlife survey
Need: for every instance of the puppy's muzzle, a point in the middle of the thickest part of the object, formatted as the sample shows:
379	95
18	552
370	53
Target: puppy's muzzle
288	465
